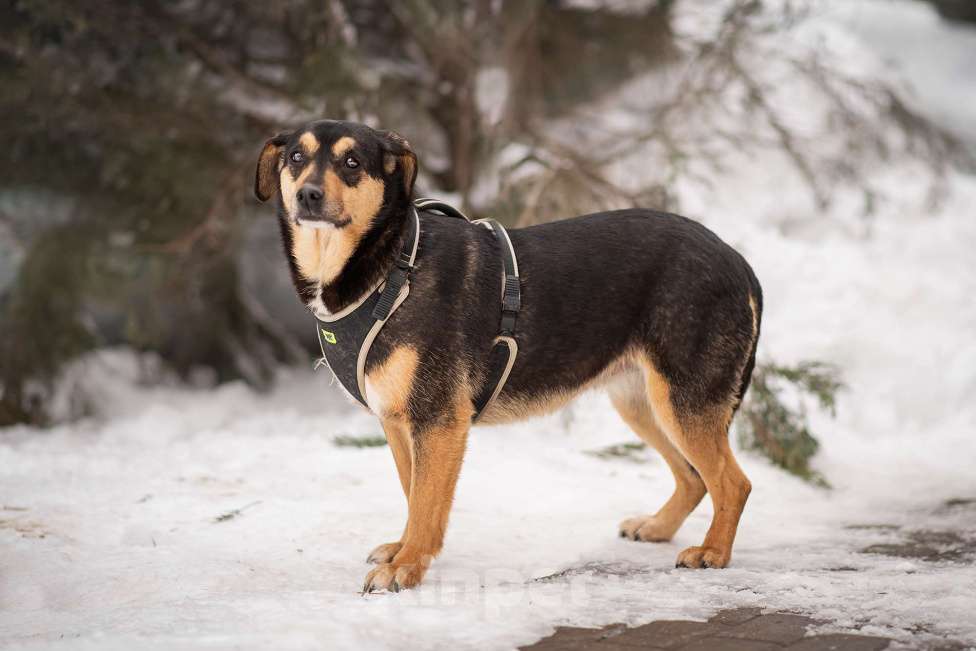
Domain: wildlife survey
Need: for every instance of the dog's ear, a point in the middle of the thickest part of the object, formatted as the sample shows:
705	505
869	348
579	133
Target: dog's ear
399	154
266	175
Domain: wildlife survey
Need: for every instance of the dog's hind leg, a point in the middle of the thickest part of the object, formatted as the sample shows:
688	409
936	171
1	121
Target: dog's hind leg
398	438
702	438
630	398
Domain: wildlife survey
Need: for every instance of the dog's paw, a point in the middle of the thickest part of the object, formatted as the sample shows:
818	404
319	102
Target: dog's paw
646	528
384	553
703	557
398	574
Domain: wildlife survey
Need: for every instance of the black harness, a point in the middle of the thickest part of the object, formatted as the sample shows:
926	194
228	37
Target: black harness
346	337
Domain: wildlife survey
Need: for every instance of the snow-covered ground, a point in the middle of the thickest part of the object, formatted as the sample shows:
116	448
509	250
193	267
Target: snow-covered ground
109	535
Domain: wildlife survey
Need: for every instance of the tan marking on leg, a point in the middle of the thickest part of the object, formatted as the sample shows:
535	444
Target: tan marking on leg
659	392
389	385
342	145
398	437
706	445
310	144
437	456
703	440
630	399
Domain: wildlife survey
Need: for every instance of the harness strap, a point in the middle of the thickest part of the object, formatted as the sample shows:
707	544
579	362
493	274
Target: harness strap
441	207
504	350
511	291
400	272
346	337
380	303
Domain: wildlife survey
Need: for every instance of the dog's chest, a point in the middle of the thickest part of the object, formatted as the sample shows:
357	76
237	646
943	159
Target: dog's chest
316	305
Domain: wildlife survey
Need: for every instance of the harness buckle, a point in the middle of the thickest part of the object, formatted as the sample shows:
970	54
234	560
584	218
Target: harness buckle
512	297
394	283
403	262
511	304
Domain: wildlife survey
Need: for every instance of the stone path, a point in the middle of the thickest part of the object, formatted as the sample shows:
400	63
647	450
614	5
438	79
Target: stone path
740	629
749	629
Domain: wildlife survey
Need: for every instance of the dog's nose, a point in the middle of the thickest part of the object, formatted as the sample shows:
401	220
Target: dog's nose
310	197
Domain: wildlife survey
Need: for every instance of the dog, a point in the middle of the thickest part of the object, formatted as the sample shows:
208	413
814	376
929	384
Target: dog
650	305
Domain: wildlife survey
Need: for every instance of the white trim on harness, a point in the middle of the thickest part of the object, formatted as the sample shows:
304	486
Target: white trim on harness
512	354
368	342
349	309
509	341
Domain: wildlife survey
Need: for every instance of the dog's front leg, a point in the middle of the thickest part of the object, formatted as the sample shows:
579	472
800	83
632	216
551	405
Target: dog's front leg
436	452
398	438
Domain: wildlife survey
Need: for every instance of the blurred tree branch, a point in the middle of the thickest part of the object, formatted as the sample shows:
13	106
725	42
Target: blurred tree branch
694	124
133	126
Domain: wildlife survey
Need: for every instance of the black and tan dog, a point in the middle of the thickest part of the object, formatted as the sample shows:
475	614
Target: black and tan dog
653	306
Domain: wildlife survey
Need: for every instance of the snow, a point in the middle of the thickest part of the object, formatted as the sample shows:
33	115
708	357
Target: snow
108	525
927	50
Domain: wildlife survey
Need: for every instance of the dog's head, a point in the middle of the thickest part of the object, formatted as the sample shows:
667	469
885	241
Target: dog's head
333	173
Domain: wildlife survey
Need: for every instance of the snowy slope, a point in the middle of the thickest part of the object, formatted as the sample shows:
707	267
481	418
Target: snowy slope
108	536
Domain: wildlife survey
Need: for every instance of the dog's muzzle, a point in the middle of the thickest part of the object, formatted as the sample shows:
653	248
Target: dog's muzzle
315	210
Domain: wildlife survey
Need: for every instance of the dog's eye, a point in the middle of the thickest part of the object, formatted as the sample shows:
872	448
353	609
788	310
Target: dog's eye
352	163
297	157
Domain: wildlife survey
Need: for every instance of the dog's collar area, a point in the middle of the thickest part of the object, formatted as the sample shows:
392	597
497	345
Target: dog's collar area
345	339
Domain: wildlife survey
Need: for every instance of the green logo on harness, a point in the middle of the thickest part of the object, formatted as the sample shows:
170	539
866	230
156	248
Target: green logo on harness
329	336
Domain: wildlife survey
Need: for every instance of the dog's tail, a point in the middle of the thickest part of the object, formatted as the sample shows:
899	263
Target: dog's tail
756	303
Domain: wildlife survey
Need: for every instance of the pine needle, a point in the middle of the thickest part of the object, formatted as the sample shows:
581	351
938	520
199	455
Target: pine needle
781	432
233	513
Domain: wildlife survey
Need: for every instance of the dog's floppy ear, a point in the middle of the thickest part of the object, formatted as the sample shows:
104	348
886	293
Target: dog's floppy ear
266	175
399	154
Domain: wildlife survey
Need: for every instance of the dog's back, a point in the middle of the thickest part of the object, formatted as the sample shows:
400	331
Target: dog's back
601	294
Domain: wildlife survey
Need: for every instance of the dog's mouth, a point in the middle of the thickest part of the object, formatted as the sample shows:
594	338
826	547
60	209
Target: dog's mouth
322	221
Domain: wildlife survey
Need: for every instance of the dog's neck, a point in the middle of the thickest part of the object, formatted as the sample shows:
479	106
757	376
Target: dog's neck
333	268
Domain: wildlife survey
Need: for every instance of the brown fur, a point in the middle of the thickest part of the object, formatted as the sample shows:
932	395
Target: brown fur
289	186
265	183
342	145
309	143
511	410
388	387
436	462
407	160
631	399
702	439
398	438
321	254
